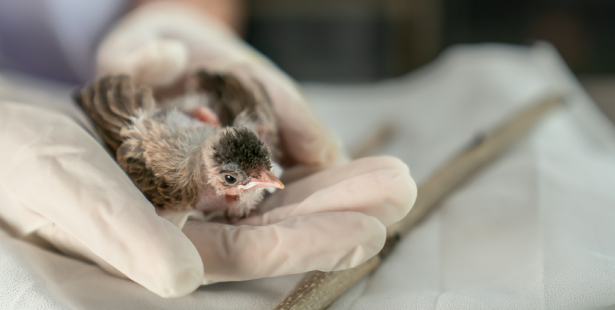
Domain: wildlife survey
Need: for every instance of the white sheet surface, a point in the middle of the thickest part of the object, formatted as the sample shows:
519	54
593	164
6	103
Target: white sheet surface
533	231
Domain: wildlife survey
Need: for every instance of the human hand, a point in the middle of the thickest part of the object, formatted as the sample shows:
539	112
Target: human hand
354	203
59	178
161	43
332	220
57	182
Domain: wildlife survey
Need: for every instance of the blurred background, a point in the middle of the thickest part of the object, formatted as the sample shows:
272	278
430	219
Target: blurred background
367	40
350	40
336	41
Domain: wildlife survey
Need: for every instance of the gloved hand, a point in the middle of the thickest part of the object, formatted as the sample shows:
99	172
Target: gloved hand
331	220
57	182
161	42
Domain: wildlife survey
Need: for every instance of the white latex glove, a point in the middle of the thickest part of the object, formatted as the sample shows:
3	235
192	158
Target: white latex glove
332	220
161	42
58	182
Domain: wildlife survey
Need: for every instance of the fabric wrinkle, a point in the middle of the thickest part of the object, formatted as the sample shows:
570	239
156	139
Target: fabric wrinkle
538	192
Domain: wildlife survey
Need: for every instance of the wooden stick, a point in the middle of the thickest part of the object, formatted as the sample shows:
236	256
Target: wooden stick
322	288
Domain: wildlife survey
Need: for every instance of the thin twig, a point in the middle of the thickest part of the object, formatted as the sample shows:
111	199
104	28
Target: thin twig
322	288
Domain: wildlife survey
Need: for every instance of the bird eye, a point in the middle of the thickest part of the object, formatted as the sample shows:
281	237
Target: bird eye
230	179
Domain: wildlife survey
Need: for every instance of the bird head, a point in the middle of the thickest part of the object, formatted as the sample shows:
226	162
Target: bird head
240	162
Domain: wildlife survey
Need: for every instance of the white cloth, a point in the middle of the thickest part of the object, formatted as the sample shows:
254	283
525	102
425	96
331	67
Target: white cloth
532	231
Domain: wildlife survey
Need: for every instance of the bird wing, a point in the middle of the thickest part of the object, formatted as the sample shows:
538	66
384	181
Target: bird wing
110	103
240	106
163	160
227	97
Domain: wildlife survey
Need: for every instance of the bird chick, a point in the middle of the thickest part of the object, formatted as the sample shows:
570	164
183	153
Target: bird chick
177	161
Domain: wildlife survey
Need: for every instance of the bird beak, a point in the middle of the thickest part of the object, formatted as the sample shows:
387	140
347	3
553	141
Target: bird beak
266	179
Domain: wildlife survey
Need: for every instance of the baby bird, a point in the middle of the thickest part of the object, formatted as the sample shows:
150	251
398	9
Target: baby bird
188	160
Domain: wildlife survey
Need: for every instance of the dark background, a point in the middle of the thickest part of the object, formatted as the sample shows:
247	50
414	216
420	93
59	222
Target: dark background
367	40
